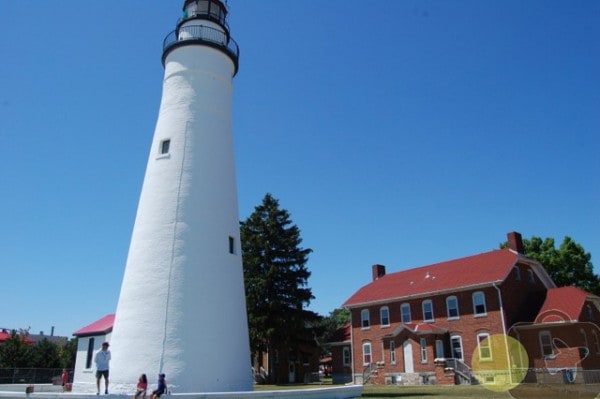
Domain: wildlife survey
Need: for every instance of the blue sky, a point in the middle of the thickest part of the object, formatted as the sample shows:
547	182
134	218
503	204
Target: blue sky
395	132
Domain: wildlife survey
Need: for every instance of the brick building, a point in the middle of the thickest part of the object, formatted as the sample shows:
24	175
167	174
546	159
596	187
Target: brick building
412	326
564	334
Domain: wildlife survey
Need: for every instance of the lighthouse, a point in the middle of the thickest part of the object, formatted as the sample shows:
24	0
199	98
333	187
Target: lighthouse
181	309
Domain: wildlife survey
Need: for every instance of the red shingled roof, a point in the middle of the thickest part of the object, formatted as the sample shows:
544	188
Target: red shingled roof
472	271
102	326
562	304
4	336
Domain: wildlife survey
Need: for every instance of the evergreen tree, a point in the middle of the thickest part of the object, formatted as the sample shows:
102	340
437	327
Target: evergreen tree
67	354
276	278
46	354
568	264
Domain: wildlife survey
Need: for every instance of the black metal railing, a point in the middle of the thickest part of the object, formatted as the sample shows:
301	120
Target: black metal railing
31	376
203	35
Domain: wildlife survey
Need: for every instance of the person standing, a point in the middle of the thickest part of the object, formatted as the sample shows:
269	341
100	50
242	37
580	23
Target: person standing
64	377
102	360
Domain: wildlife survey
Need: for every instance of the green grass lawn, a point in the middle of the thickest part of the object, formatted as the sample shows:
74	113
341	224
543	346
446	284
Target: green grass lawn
432	392
455	391
408	392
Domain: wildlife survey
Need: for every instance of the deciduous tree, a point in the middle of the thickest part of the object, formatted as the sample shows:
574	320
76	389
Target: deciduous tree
46	354
569	264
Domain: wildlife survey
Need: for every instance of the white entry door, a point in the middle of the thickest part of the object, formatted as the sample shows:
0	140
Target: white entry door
292	373
409	366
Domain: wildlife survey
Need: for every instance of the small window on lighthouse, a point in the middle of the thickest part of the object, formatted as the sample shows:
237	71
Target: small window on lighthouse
231	245
164	146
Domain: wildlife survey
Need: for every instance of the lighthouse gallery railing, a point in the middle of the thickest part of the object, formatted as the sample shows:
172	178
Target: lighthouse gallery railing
203	35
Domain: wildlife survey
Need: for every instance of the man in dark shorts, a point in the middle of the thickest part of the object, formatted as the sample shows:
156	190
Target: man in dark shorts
102	360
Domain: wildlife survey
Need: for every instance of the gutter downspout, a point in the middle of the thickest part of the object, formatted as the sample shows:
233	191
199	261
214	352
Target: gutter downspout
352	349
508	365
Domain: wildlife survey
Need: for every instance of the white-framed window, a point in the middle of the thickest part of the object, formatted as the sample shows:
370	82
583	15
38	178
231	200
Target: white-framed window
452	307
365	320
479	308
405	313
384	316
546	344
439	349
366	350
531	275
484	346
456	347
392	352
517	272
346	356
423	343
427	310
596	341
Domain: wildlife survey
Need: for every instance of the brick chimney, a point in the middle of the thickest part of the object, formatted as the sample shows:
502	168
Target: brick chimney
515	242
378	272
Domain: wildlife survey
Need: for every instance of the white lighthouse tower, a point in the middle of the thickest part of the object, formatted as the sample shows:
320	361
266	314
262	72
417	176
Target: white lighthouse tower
182	309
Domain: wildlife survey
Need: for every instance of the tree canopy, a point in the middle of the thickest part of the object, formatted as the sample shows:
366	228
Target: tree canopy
332	323
569	264
16	352
275	276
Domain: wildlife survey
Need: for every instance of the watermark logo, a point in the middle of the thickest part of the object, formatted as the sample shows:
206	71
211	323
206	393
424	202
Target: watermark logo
500	362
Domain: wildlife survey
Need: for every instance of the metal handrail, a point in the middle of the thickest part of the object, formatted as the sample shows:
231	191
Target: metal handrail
202	34
460	368
367	373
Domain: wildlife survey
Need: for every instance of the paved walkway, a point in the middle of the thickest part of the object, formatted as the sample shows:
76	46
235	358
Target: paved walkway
46	391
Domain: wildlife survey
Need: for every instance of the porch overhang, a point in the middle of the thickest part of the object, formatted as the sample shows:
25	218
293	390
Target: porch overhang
417	329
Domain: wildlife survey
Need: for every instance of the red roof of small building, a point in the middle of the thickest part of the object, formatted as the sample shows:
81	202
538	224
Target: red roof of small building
562	304
477	270
4	336
102	326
